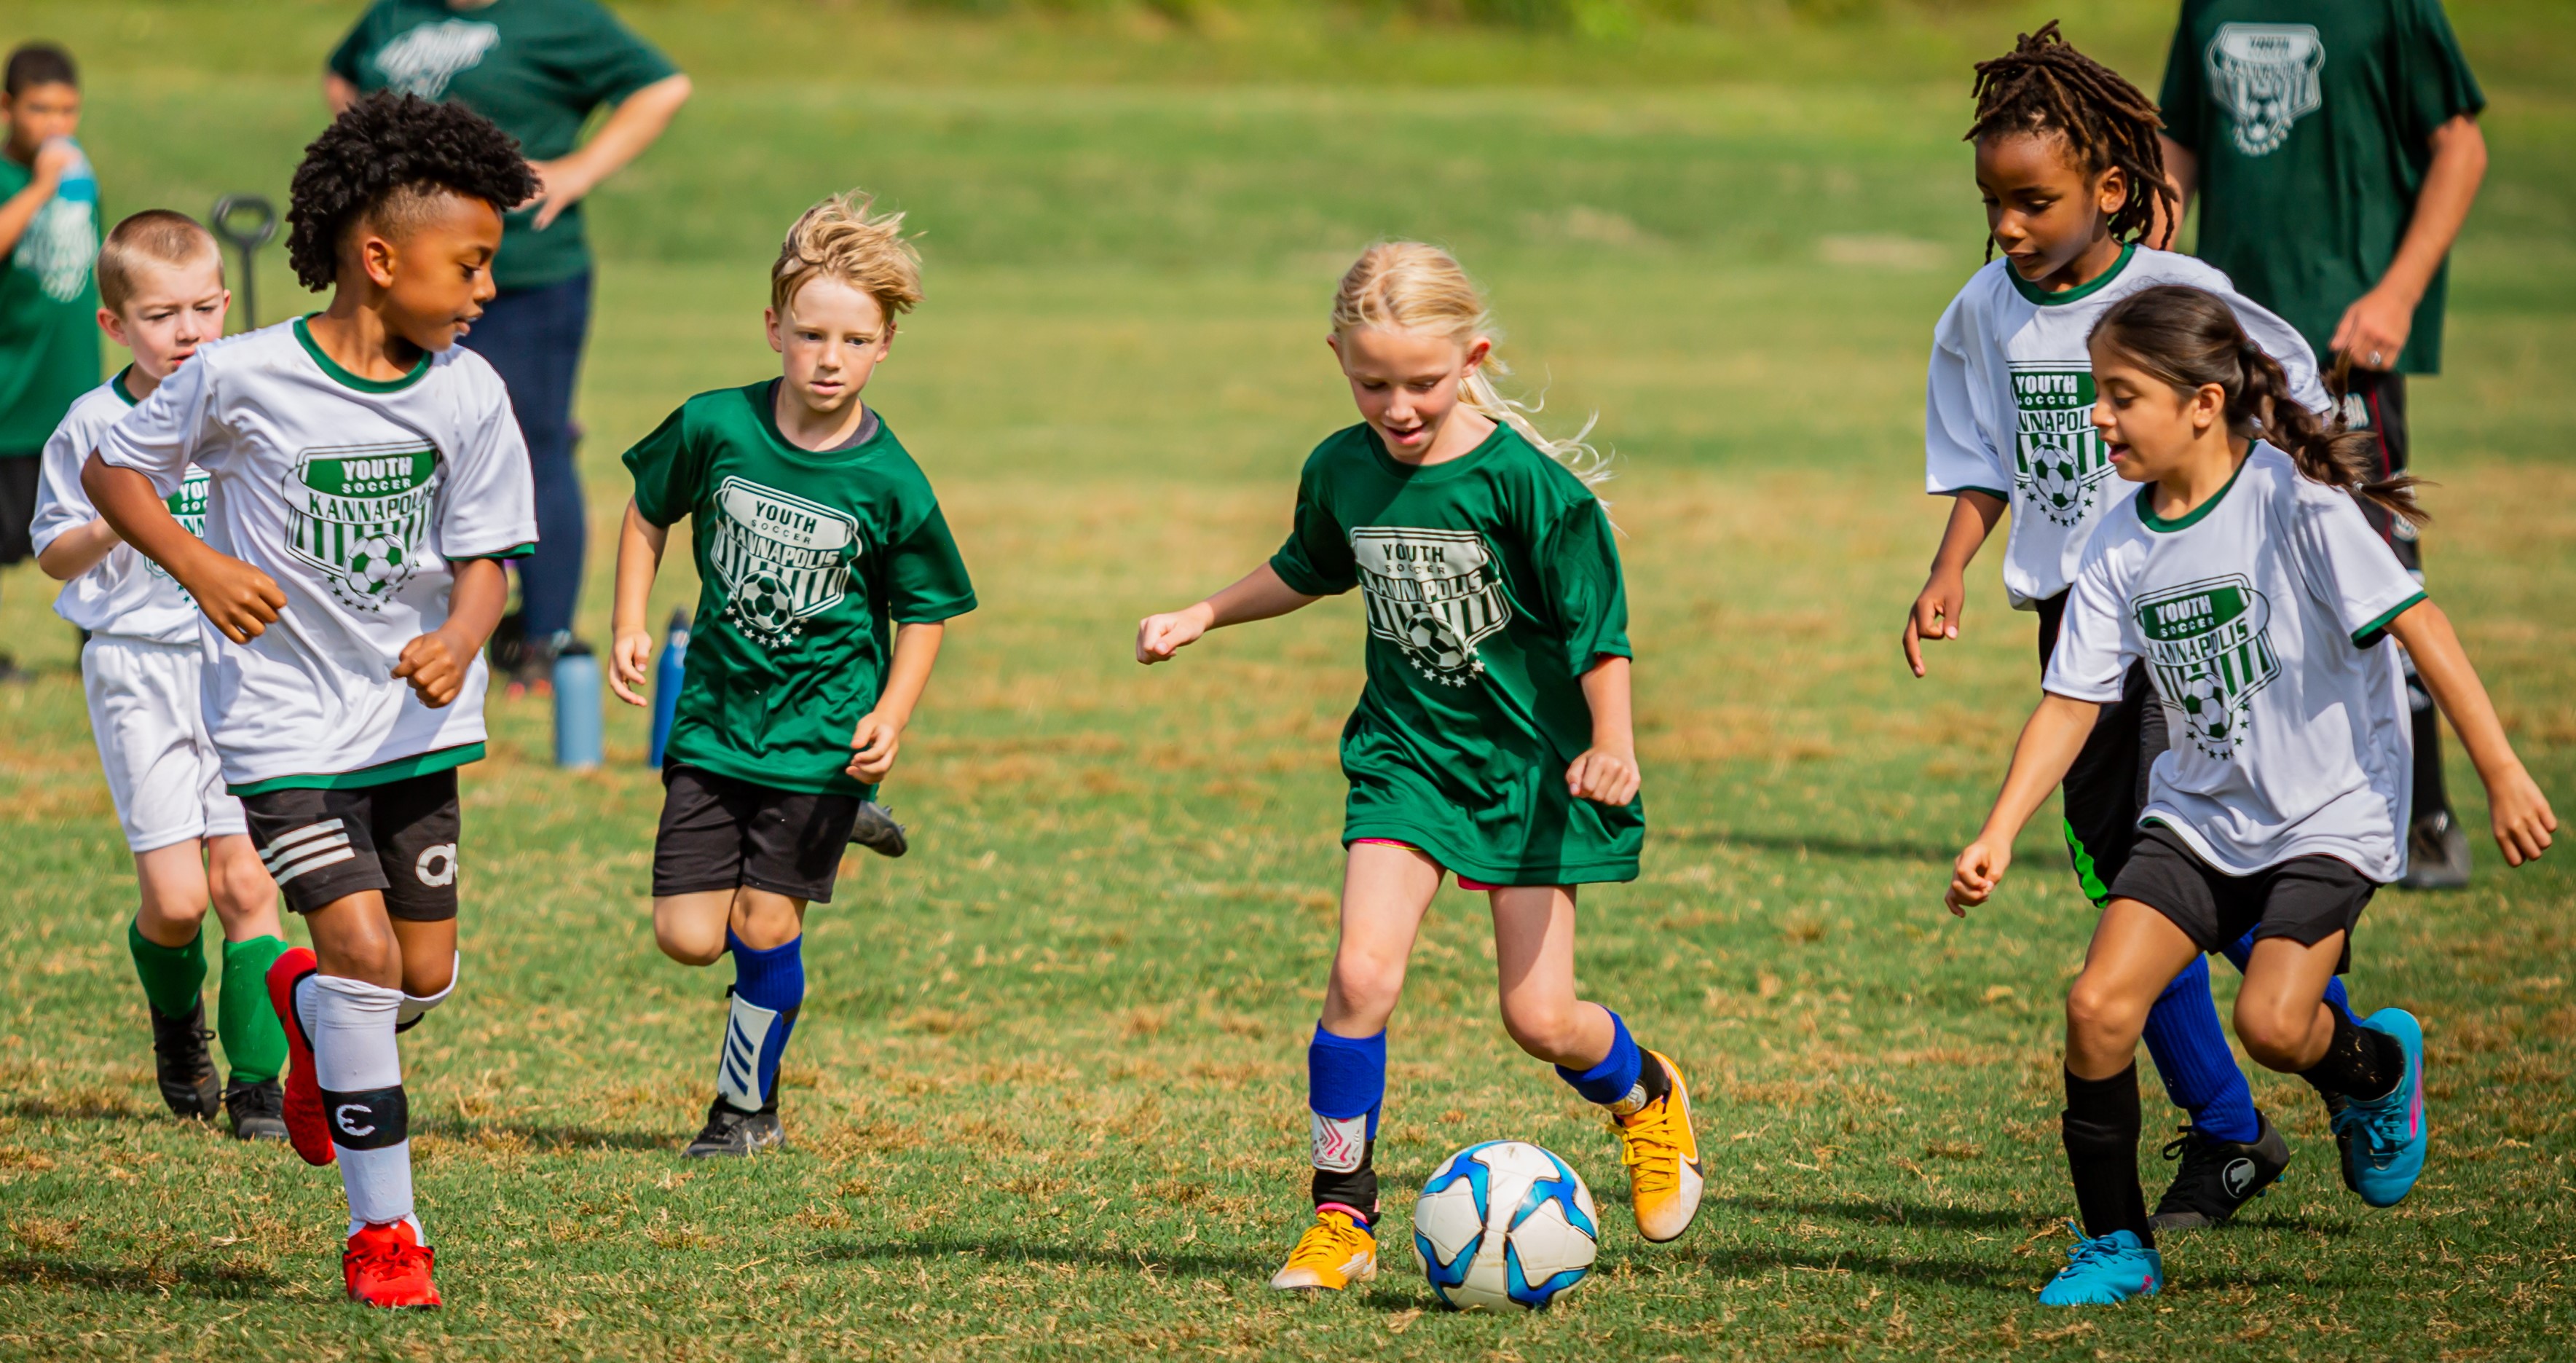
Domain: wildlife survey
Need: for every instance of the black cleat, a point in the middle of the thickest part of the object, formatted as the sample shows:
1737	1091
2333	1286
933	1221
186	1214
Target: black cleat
185	1071
258	1111
2218	1177
877	831
736	1133
2437	853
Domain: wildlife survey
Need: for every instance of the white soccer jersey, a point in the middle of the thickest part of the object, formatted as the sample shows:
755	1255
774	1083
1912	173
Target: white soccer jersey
2008	409
356	496
2262	617
125	594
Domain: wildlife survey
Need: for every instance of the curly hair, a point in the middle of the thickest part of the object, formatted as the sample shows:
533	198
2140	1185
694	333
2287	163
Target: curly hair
2189	337
394	151
2044	87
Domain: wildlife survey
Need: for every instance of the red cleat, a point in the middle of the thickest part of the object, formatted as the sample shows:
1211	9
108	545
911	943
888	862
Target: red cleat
388	1266
305	1127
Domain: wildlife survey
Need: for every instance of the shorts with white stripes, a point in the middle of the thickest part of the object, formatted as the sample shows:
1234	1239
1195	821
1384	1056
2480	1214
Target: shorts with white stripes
398	838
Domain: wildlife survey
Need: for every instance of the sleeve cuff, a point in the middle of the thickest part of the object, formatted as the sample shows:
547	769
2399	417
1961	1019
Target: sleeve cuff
514	551
1301	582
2057	686
936	613
2368	636
1996	493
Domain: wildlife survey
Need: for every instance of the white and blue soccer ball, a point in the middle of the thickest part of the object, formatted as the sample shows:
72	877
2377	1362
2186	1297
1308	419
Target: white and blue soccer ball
1502	1225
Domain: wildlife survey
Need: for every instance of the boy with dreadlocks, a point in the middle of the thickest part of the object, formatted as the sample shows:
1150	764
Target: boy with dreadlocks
367	479
2073	177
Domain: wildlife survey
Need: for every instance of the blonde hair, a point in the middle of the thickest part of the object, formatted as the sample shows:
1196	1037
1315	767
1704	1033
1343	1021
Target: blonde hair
1410	286
155	236
839	239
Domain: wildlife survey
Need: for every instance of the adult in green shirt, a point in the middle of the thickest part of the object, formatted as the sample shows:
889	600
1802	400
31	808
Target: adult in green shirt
539	69
2334	145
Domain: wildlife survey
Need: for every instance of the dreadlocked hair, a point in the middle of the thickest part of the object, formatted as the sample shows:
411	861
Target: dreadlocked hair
2190	338
2045	87
384	160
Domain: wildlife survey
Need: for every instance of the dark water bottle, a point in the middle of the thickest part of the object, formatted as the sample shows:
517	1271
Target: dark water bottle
666	686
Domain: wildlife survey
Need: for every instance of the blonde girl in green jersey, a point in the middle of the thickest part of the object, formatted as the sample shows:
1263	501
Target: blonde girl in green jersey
1492	740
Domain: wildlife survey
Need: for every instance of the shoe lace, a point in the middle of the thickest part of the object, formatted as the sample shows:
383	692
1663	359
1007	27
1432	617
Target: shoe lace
1651	1146
1329	1243
2380	1125
386	1253
2088	1251
2199	1163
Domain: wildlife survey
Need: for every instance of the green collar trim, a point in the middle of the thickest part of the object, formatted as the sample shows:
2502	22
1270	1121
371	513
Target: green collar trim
2080	292
381	774
331	367
2147	513
1414	473
117	385
764	400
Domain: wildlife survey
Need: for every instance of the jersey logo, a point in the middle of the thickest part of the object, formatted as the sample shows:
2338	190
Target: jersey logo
59	243
1432	594
188	508
2265	77
2058	459
360	514
781	559
422	61
2210	645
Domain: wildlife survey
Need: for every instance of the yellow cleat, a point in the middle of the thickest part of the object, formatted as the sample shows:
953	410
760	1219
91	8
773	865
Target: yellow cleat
1334	1252
1662	1155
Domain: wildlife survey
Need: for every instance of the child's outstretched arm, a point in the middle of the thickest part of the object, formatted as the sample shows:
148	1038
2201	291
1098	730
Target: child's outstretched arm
2048	745
1945	592
639	558
1259	596
241	600
1606	773
2521	815
880	732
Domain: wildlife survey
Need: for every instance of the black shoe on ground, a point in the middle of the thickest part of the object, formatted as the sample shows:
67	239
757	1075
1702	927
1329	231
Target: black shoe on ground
2218	1177
2437	853
734	1132
258	1111
877	831
181	1064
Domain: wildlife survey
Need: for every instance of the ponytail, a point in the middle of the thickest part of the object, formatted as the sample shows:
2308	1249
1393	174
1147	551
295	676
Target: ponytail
2190	338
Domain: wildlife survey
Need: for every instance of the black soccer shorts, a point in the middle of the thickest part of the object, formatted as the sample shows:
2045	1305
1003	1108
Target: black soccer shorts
2106	789
399	837
2306	899
718	833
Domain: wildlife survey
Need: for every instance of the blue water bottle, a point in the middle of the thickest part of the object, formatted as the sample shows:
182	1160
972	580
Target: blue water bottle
666	686
577	723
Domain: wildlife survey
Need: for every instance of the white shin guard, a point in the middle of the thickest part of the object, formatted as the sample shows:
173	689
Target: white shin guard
358	1065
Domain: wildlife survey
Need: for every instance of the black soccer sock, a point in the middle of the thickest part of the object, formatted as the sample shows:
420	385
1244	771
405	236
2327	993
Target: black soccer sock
2359	1063
1353	1188
2100	1128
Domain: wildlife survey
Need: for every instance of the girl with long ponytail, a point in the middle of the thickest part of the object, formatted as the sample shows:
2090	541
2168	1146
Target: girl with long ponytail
2246	579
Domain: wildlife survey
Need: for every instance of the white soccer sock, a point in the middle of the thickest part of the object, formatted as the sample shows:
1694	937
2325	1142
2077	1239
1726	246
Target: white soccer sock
415	1007
359	1067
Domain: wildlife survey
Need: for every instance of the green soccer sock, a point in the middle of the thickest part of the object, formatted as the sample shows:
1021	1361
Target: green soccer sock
174	978
254	1045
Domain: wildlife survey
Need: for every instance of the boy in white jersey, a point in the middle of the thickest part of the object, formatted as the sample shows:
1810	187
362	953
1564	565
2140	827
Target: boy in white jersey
2070	169
368	478
2247	580
161	295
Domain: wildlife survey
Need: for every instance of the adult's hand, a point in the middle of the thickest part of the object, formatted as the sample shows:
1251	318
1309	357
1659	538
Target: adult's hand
2374	329
635	125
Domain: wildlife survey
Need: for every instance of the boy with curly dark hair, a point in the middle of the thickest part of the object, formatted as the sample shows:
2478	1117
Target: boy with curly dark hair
367	480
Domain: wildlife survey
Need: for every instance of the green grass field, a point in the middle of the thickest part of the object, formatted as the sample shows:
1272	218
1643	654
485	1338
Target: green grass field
1046	1097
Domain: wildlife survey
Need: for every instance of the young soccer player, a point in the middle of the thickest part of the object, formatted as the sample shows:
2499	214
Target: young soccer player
2072	175
1492	739
162	295
48	241
2246	579
813	530
366	481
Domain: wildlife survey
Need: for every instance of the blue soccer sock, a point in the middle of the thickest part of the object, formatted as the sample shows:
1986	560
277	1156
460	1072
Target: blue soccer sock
768	988
2243	950
2190	1050
1616	1076
1345	1091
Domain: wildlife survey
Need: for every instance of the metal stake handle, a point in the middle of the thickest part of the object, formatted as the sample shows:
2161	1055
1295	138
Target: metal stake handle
246	238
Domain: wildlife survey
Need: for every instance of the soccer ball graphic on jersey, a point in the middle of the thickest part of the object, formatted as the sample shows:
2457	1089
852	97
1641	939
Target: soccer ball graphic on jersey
764	605
2204	707
1429	638
2057	479
1502	1225
376	561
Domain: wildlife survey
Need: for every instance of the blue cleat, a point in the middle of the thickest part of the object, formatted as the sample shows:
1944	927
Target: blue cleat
2383	1139
2105	1271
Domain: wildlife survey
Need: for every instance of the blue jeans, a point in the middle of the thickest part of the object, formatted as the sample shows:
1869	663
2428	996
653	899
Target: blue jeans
534	338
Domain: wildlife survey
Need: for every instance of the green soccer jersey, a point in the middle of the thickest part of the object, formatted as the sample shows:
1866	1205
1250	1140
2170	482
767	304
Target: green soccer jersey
2310	118
48	313
805	557
536	68
1492	584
